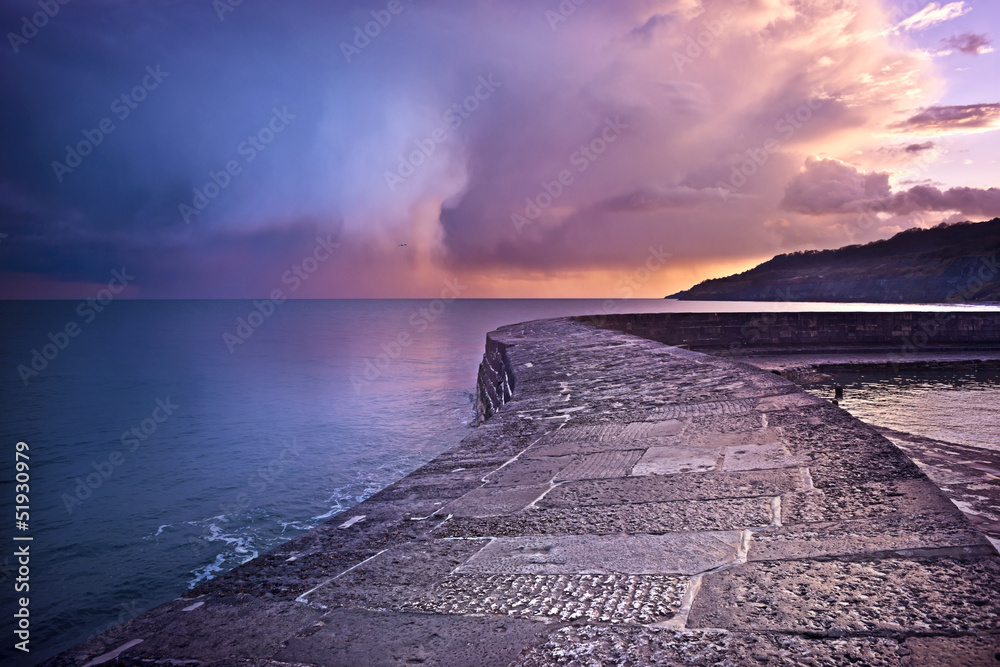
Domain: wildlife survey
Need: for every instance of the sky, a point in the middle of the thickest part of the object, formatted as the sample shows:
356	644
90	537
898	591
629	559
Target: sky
483	148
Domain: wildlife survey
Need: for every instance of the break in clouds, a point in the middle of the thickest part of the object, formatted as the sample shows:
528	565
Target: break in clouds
545	140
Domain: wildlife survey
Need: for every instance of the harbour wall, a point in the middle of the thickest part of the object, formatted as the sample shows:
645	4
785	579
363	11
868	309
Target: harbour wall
790	332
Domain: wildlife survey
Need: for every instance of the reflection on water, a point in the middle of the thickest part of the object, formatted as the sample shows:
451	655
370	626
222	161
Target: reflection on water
955	406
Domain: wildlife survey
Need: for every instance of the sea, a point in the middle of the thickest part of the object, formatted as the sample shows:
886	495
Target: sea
166	442
957	406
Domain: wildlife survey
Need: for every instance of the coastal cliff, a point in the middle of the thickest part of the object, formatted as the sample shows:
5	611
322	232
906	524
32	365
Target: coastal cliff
945	264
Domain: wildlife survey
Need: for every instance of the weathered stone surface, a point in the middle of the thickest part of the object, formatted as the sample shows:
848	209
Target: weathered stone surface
601	465
833	598
730	439
403	577
678	459
691	486
388	638
891	535
605	598
620	483
595	646
679	411
284	576
650	518
863	501
675	553
418	563
787	402
607	437
968	476
494	500
759	457
954	651
212	629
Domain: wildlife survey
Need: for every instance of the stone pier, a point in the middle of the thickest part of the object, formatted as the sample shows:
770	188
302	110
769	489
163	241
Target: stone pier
625	502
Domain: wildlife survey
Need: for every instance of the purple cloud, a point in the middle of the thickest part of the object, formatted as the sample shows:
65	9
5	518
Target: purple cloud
919	148
970	43
829	187
959	117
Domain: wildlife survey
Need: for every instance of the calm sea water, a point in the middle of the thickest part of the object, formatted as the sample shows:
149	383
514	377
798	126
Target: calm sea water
159	457
955	406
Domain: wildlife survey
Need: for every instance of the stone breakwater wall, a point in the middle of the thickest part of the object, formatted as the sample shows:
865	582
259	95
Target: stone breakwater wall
495	384
768	333
746	334
631	503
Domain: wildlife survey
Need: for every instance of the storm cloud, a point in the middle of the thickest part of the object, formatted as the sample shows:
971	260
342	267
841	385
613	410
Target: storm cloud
513	143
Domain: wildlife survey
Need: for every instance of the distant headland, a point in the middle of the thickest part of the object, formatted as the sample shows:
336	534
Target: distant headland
949	263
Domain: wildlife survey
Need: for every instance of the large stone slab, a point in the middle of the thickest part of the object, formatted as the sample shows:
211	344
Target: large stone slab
358	637
601	465
402	577
738	438
864	501
678	459
798	399
525	471
675	553
206	629
685	410
892	535
645	518
759	457
657	488
494	500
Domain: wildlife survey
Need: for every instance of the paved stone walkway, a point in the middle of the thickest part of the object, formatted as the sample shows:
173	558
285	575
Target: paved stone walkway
628	503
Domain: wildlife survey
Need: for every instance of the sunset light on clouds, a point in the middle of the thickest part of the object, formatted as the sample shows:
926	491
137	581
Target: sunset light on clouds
524	149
